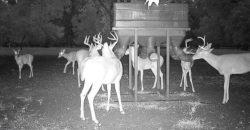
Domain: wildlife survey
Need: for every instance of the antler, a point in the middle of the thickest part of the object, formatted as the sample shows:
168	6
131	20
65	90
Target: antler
188	40
204	40
86	41
114	37
98	39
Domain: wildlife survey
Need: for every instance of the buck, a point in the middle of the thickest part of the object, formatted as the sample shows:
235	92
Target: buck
186	68
82	55
226	64
150	2
146	64
71	58
22	60
98	70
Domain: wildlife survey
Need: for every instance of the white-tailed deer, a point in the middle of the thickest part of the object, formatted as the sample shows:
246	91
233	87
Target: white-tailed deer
71	58
22	60
145	64
98	70
226	64
150	2
186	68
82	54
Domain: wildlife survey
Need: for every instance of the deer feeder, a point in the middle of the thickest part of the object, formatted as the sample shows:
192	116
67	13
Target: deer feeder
162	26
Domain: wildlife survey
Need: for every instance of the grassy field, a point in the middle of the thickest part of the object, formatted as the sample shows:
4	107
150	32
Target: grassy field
50	100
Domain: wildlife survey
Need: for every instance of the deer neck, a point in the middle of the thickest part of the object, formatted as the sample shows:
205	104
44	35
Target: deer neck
212	59
65	55
16	57
107	52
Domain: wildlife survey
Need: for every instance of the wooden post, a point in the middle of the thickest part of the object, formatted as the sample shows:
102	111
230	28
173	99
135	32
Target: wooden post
136	62
167	63
158	67
130	69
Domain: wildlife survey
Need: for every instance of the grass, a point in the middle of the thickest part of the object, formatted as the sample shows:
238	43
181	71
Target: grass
51	101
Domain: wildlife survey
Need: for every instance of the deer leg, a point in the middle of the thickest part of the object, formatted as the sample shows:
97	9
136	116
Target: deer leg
73	67
142	88
117	89
161	75
103	89
185	80
109	93
83	94
155	74
226	87
78	77
20	71
65	67
91	96
191	81
31	71
182	78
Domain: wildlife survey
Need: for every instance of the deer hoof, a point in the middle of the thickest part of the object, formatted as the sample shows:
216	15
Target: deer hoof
122	112
82	117
97	122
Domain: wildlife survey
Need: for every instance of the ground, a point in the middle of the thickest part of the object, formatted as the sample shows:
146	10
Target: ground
50	100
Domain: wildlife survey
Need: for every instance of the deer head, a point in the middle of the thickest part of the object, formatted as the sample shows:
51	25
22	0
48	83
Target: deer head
204	50
107	50
61	53
185	49
98	45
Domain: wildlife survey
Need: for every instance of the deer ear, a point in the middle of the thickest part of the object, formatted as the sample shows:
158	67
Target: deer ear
209	45
211	49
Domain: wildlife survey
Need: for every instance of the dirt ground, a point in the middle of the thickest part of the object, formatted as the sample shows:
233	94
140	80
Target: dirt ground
50	100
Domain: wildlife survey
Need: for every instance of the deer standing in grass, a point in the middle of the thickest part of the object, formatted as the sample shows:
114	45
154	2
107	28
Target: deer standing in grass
186	68
226	64
71	58
145	64
22	60
98	70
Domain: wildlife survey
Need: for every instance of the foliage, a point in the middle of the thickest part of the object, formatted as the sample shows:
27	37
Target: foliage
66	22
225	22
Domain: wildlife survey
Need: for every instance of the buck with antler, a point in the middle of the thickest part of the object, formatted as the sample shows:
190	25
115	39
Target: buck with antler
22	60
226	64
145	64
82	55
98	70
186	68
71	58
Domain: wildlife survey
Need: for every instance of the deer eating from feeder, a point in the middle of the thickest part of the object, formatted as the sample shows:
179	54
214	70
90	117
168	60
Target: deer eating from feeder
186	68
145	64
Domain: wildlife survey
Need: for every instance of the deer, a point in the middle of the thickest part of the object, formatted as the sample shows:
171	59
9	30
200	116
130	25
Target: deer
98	70
226	64
82	55
22	60
146	64
71	58
186	68
150	2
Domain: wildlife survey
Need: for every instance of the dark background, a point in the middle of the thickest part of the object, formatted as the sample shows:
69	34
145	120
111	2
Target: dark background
47	23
